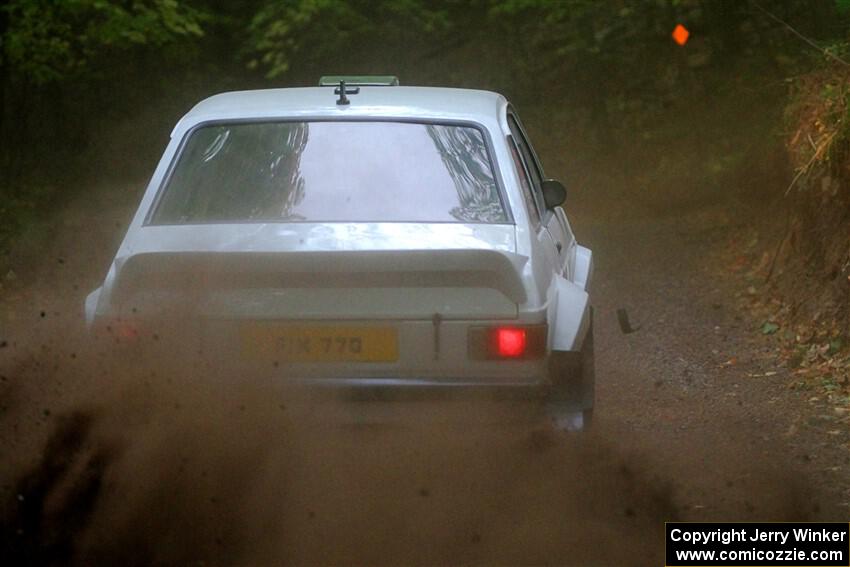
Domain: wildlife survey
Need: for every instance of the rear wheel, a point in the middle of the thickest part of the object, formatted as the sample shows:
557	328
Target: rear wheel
569	406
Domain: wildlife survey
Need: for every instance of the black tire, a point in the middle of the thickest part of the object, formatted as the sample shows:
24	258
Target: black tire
571	400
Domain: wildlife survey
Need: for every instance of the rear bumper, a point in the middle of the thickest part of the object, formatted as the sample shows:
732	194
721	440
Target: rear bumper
567	385
401	389
383	400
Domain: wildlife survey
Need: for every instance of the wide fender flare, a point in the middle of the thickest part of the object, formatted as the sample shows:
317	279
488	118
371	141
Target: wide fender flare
571	316
583	268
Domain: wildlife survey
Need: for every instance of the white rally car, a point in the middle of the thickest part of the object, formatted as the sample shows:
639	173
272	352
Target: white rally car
363	236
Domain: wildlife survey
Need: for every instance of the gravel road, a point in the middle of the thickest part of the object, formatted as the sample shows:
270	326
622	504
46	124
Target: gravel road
103	465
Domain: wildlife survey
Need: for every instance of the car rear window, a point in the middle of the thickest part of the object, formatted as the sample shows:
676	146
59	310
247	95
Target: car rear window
332	171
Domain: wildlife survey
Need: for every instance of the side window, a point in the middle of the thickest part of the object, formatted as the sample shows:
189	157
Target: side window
530	163
527	194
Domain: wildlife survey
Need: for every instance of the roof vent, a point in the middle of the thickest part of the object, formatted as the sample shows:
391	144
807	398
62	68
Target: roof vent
359	80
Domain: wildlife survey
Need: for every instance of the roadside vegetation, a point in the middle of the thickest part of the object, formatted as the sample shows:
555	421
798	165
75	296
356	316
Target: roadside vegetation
798	272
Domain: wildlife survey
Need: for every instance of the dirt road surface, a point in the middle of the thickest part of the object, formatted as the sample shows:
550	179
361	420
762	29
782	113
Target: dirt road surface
103	465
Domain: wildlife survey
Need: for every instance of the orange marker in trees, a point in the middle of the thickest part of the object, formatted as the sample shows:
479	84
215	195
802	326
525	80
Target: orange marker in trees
681	34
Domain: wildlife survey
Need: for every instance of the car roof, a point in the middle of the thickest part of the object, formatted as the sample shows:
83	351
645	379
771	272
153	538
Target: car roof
321	102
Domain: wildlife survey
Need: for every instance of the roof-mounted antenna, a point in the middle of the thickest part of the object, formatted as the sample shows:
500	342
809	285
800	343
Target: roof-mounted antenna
342	90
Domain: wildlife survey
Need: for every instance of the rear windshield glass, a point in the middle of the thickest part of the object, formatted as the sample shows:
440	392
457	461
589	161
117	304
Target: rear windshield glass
332	171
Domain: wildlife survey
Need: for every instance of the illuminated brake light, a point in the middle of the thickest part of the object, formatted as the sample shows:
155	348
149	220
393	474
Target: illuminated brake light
516	342
511	342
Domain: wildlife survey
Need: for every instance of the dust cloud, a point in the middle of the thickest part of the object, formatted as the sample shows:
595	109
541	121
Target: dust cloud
139	463
185	470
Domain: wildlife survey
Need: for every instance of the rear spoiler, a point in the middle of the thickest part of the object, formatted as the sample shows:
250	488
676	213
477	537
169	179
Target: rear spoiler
200	271
359	80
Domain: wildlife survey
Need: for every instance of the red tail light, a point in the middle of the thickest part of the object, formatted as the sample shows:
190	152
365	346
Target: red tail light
508	342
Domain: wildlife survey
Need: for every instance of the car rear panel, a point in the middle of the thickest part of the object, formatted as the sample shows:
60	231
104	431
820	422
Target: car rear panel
402	312
420	350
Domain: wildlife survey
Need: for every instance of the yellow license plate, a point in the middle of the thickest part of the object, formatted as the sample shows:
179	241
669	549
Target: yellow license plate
320	343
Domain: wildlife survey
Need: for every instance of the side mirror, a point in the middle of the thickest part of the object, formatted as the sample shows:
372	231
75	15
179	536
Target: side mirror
554	193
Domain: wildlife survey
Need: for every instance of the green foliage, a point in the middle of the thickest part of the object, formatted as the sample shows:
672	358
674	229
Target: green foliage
283	29
280	29
49	40
583	25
